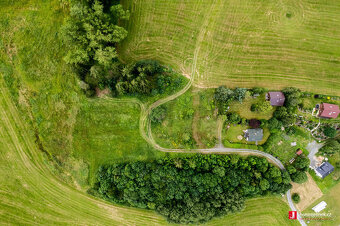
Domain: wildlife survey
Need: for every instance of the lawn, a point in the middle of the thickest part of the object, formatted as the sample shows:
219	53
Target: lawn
232	133
107	131
240	43
243	109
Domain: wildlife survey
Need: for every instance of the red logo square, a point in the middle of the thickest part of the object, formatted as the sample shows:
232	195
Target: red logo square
292	215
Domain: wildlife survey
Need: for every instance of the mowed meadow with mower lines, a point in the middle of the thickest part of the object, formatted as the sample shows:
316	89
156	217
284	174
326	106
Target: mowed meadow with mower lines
248	43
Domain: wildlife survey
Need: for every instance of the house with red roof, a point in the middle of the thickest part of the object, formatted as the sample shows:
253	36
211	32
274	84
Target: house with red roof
328	110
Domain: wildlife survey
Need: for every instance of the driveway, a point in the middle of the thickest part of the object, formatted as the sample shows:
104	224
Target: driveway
313	148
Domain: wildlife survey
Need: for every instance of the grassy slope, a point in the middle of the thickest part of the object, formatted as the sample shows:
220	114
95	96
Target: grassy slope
31	55
241	43
30	193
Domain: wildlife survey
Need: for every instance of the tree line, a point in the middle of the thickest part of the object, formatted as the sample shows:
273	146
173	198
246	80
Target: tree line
191	189
92	33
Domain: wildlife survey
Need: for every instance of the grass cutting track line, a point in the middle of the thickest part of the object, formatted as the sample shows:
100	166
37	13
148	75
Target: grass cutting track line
25	175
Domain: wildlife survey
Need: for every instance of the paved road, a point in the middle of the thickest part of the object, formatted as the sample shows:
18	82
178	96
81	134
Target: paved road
292	207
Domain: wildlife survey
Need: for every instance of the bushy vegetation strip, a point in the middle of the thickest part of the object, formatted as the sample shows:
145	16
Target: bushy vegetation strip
191	189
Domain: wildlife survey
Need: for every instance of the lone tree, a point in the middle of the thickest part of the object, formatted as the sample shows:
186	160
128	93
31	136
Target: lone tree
254	123
296	197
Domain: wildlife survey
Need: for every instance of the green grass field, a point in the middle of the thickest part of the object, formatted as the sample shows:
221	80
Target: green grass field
248	43
42	97
31	194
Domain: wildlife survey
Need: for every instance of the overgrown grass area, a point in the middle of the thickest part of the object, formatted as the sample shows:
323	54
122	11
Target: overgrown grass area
205	118
234	43
280	144
33	67
332	198
243	109
107	131
175	131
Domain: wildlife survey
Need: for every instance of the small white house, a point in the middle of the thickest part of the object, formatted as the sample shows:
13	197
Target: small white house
322	205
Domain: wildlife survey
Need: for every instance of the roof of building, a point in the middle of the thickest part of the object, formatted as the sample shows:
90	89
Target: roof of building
254	134
322	205
329	110
276	98
325	169
299	152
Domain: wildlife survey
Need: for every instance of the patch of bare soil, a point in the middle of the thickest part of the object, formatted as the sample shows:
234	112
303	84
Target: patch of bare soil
309	192
195	122
102	93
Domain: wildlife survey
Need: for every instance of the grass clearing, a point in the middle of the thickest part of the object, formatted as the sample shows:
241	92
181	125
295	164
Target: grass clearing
32	62
243	109
206	121
241	44
107	131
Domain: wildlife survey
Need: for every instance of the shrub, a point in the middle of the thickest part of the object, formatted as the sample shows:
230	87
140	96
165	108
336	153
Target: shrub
253	107
233	118
254	123
332	146
329	131
296	197
158	114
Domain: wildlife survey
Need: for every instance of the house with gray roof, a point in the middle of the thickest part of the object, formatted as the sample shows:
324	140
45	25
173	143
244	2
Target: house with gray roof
324	169
253	134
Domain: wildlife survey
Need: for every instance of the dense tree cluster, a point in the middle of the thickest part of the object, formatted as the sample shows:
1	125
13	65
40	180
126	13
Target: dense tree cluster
298	169
191	189
329	131
223	96
332	146
93	32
